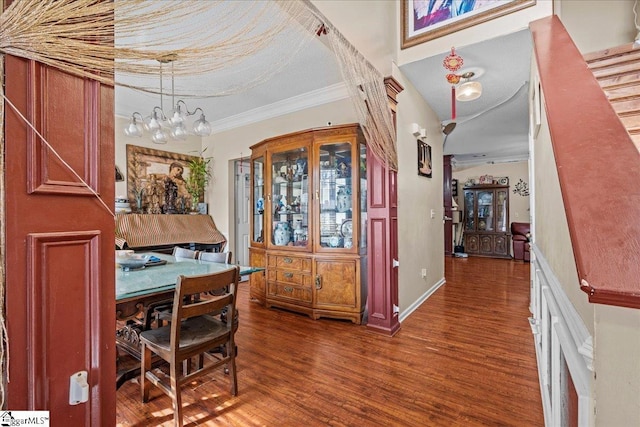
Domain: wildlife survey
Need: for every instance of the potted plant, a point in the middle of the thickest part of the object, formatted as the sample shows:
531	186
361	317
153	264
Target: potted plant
199	177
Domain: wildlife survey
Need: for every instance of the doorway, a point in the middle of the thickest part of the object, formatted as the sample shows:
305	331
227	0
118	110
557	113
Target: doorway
241	211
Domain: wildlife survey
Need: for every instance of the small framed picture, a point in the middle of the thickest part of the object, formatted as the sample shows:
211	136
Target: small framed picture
203	208
486	179
424	159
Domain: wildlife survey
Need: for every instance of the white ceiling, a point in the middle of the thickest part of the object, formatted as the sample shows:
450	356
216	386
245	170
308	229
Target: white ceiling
312	70
495	126
492	128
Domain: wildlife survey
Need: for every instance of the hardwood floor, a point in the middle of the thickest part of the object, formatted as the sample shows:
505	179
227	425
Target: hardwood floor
465	357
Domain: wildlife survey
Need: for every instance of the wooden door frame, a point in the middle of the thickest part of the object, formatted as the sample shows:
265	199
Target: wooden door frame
448	205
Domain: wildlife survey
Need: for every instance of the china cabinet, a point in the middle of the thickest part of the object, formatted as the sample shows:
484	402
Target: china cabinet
486	220
309	222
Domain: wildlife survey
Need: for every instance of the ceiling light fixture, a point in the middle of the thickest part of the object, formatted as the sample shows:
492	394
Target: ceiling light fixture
161	127
467	91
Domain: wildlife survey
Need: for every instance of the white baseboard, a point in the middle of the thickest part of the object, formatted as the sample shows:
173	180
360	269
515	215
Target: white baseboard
420	300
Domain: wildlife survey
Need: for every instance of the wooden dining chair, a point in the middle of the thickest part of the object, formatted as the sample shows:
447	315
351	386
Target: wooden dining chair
161	310
224	257
193	332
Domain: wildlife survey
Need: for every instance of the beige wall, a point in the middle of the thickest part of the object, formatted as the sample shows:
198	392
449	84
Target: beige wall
368	25
515	171
617	366
235	143
420	237
614	15
551	228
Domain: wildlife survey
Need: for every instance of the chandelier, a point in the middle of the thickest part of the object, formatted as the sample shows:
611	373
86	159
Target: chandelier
162	126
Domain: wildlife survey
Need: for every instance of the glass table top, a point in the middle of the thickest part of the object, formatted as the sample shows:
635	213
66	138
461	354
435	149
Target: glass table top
160	278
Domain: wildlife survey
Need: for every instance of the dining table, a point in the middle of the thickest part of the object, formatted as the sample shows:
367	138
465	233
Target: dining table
141	291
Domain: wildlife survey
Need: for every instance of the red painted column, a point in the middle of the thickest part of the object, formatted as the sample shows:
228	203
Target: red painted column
382	237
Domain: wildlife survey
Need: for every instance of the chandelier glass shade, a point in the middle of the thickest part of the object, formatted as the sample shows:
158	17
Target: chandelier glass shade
161	127
468	91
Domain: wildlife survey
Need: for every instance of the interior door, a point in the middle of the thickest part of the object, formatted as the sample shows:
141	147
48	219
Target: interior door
60	282
243	194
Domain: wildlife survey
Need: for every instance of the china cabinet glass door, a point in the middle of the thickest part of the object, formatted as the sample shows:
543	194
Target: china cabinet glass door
485	211
290	198
501	210
335	195
469	203
363	196
258	200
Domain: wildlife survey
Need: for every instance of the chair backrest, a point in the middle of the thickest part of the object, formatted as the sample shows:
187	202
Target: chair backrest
224	284
179	252
521	228
215	257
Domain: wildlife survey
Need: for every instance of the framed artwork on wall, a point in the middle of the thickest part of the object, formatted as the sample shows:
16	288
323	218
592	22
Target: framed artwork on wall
425	164
156	180
424	20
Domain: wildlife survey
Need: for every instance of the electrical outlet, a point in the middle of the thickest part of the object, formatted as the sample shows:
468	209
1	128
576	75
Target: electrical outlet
424	273
433	213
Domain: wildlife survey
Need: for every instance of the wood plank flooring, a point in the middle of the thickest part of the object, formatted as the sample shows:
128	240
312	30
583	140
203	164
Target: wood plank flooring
465	357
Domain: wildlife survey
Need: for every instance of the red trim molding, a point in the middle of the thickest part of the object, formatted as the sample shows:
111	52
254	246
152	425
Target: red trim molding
598	168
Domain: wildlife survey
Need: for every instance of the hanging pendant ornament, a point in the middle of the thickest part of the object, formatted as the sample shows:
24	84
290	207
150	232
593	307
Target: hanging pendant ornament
453	62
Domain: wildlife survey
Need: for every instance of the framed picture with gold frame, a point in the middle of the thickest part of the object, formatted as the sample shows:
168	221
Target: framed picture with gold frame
424	20
148	172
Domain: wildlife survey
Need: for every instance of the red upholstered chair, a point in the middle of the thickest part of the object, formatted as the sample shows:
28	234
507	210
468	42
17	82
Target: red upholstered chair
520	232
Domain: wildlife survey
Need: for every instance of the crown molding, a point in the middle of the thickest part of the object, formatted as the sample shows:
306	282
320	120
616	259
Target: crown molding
306	100
466	161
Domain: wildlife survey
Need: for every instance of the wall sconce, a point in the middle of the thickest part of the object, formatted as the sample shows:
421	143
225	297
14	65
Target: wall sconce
417	131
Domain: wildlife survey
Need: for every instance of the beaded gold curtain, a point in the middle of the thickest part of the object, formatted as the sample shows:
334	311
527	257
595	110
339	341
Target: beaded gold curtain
122	41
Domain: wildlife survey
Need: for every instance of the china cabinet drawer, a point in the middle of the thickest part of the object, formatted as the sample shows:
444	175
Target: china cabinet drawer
292	292
290	277
287	262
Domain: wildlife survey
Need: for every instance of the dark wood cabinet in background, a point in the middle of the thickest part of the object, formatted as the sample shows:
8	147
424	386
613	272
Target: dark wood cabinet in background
486	220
